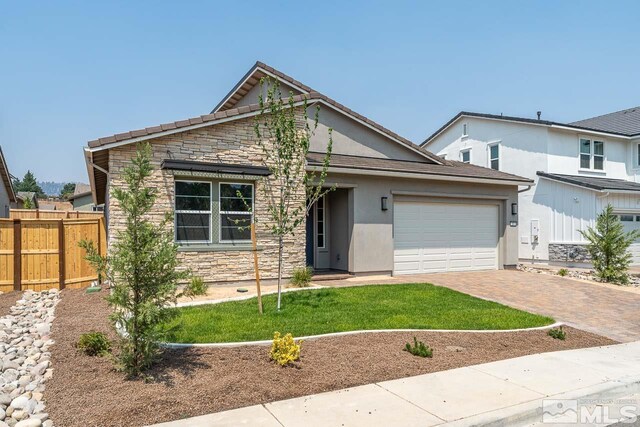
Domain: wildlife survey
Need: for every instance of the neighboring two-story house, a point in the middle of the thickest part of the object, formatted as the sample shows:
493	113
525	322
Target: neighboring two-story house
578	169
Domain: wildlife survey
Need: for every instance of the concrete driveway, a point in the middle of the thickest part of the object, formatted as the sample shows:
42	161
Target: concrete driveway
606	310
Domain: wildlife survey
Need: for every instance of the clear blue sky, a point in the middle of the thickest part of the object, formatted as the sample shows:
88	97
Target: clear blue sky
75	71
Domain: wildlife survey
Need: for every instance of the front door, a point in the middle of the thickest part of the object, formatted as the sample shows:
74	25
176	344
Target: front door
321	234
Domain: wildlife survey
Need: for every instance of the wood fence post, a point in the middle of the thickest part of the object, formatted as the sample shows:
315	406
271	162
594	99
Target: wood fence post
17	254
61	247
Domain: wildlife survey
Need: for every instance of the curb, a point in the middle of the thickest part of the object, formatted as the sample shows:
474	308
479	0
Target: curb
531	412
339	334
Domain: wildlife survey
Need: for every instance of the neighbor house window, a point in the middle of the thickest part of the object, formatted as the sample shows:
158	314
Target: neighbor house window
465	156
638	147
494	156
591	154
193	211
236	210
465	128
626	218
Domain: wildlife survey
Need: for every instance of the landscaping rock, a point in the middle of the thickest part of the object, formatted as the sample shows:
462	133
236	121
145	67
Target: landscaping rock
25	359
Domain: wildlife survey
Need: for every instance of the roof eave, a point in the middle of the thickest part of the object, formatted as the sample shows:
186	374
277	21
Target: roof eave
420	175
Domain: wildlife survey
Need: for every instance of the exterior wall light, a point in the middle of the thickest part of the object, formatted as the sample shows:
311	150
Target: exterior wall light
383	203
514	209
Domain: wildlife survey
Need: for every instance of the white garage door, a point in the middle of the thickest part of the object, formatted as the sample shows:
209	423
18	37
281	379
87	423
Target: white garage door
436	237
632	222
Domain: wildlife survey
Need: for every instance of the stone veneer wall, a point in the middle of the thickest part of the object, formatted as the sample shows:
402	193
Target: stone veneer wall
234	143
568	252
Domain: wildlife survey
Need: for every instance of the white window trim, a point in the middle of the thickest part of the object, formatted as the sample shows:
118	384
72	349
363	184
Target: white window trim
324	224
176	212
499	158
466	150
220	211
636	164
592	155
465	130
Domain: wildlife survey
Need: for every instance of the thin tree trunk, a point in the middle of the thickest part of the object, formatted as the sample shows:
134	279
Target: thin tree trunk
280	246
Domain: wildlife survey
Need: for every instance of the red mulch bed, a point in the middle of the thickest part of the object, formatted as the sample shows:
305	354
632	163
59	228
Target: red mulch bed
7	300
87	391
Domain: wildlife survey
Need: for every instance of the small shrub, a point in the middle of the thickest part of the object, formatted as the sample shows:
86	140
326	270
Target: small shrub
301	277
563	272
419	348
196	287
557	333
94	344
285	350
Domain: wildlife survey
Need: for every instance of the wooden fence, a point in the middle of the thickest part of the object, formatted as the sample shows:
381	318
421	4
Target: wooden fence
43	253
46	214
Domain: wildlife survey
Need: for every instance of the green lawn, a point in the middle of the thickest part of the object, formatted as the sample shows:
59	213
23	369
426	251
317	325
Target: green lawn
410	306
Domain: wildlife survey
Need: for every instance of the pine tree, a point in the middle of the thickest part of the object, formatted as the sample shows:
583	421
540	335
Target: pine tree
67	190
608	246
141	268
29	183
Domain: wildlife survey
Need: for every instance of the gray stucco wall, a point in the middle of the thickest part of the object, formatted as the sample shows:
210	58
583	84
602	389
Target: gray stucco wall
371	247
84	203
355	139
340	230
5	203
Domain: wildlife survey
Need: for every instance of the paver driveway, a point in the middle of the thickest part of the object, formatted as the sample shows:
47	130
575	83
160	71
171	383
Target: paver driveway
602	310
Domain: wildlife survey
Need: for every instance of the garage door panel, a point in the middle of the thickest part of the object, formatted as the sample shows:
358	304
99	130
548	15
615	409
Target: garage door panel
447	237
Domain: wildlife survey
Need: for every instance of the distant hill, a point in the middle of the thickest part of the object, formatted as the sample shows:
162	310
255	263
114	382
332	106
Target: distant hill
51	188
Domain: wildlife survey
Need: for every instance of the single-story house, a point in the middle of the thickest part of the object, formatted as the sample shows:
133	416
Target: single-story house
7	195
82	199
397	208
27	197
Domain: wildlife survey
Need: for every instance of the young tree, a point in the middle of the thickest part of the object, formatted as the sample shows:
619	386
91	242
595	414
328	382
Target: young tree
29	183
608	247
141	268
67	190
284	132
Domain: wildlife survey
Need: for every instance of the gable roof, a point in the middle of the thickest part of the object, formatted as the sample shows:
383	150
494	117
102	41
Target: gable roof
587	126
219	115
260	70
594	183
6	177
625	122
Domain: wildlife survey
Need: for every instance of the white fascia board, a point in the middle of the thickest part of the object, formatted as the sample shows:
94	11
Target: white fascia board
568	128
591	132
416	149
607	191
412	175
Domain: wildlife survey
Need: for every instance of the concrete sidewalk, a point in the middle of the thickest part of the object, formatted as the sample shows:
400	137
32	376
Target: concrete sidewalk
508	392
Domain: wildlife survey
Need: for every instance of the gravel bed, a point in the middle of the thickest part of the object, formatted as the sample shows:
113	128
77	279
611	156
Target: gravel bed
190	382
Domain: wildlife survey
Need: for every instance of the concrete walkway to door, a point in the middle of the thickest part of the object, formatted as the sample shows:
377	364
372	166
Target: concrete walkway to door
591	307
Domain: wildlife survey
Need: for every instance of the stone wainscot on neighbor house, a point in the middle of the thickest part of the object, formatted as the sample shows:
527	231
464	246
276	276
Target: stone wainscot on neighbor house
397	208
578	167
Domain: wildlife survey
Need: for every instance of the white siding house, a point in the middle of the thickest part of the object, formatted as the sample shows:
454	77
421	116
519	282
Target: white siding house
578	168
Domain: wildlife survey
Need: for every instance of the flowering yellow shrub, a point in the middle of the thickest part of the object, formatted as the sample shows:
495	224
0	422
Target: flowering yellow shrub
284	350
